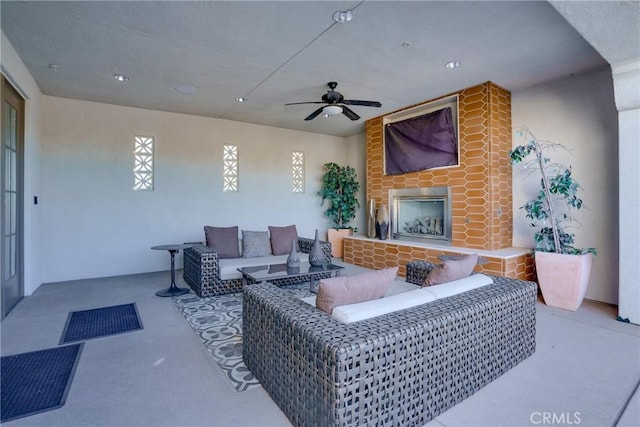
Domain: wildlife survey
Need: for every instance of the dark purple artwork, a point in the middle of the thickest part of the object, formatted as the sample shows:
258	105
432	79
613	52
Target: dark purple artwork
420	143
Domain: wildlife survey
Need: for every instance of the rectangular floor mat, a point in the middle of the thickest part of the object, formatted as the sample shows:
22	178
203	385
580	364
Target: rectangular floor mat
100	322
37	381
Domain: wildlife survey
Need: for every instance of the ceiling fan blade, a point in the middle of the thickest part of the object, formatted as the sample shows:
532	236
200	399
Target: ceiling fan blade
310	102
363	103
349	113
314	114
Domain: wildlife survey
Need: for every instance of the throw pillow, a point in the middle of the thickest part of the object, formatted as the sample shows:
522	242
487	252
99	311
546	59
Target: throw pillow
452	270
223	240
345	290
255	244
281	238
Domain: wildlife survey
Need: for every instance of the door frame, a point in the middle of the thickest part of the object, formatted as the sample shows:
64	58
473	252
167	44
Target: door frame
9	93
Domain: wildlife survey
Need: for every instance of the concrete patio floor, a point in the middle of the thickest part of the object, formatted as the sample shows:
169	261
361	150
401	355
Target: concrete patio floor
585	370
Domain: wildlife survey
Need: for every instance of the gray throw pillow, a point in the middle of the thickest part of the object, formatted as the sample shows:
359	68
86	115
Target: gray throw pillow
223	240
281	238
255	244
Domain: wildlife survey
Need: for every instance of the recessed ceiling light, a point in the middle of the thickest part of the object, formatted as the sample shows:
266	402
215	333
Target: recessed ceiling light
406	44
120	77
240	99
186	89
341	16
452	64
53	67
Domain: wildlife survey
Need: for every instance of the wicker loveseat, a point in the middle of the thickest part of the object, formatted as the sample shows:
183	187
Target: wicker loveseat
202	270
401	368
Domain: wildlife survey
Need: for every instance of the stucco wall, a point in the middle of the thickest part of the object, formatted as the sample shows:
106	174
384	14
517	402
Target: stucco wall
94	225
580	113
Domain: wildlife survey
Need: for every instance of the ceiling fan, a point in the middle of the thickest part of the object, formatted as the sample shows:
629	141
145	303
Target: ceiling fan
336	104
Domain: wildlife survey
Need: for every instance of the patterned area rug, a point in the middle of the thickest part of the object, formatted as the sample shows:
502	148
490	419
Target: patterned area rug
217	321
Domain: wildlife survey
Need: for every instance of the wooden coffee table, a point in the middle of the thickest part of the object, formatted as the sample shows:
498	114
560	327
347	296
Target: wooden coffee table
267	273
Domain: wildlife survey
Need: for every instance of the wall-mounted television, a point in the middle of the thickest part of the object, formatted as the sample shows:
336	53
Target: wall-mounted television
423	137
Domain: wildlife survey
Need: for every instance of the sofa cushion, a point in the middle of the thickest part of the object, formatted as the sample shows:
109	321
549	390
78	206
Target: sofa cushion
351	289
451	270
223	240
368	309
255	244
458	286
281	238
399	285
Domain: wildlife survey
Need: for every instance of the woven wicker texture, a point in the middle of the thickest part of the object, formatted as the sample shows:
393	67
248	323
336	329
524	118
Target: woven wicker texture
417	271
402	368
202	273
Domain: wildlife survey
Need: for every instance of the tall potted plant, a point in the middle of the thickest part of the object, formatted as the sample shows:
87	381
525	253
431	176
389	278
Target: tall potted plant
340	187
563	270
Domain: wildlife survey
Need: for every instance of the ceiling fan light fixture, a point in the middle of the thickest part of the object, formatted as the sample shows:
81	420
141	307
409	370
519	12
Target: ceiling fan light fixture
332	110
341	16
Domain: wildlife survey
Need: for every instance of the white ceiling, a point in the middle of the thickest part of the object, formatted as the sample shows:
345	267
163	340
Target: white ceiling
279	52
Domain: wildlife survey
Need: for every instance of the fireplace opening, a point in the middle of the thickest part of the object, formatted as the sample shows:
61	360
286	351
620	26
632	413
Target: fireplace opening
421	214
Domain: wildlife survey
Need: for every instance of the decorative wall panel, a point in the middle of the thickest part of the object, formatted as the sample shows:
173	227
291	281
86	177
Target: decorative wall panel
297	171
230	174
143	163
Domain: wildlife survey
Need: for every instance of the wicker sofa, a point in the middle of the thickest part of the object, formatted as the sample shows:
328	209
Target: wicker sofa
202	270
401	368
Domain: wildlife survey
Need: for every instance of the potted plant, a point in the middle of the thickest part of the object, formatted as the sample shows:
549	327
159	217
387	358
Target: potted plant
563	270
340	187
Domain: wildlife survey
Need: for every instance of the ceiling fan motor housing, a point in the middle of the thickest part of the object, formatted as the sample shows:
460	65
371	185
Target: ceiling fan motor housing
332	97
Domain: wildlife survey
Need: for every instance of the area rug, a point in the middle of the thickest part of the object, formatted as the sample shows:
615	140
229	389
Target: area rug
217	321
100	322
37	381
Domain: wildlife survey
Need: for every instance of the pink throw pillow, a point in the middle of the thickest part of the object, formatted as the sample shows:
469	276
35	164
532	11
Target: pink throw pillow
223	240
345	290
452	270
281	238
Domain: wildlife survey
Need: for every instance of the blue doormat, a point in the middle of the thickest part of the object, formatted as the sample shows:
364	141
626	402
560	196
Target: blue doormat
100	322
37	381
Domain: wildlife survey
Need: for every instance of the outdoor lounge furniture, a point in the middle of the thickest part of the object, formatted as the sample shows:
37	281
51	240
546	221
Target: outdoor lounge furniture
203	274
401	368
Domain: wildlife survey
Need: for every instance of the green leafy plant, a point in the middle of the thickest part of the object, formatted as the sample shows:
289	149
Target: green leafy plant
558	195
340	187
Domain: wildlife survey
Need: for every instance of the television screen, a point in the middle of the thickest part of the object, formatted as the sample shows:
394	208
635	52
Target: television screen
418	143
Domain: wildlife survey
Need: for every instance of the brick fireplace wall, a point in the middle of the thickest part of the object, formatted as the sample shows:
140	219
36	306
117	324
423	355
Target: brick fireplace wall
481	185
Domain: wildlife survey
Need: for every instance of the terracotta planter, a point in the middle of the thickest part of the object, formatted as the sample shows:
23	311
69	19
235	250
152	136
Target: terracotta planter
336	236
563	278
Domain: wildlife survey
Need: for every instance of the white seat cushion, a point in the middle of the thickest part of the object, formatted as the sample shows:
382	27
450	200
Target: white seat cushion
458	286
400	285
402	295
368	309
